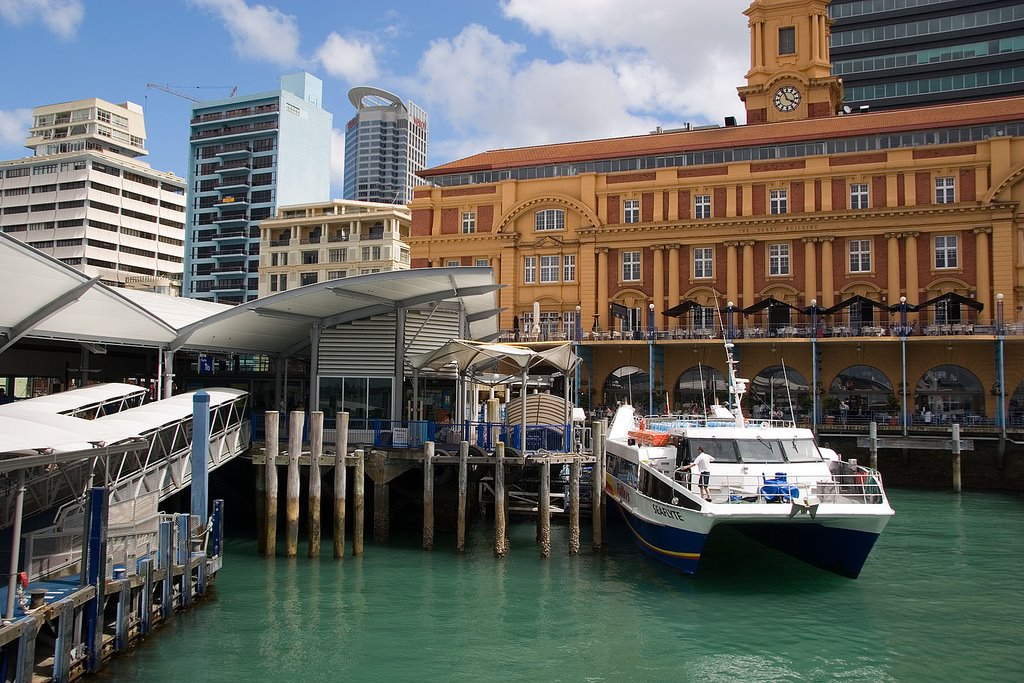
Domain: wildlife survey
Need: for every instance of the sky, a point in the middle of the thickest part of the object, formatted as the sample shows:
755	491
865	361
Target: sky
490	73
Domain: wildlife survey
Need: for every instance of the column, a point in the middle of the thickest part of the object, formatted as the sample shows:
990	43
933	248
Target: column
658	293
810	271
732	276
748	272
828	285
815	49
602	287
673	281
913	288
983	271
893	269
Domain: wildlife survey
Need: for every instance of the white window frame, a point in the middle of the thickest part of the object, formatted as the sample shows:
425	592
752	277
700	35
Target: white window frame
631	211
549	219
529	270
947	252
549	267
702	206
482	262
945	189
569	268
860	256
631	266
778	259
859	196
703	263
778	202
468	222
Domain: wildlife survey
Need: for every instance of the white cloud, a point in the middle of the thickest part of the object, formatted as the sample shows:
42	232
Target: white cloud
14	125
60	16
258	32
337	161
347	59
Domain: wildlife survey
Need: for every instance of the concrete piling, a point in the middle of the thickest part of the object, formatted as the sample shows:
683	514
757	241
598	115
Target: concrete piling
381	512
272	427
956	458
500	542
340	484
428	495
544	508
574	507
291	493
316	449
597	485
358	505
460	540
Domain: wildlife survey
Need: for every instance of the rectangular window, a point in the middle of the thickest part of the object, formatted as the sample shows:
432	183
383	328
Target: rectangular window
860	256
310	257
945	190
17	172
468	222
482	262
702	206
778	259
337	255
631	211
453	263
703	263
859	196
631	266
336	274
530	269
307	279
569	268
550	219
787	40
549	268
946	255
779	202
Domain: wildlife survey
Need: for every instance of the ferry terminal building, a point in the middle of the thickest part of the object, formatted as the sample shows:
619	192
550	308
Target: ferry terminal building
863	258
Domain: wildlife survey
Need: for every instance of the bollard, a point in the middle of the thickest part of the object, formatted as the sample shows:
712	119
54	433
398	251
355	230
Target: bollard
316	449
273	424
574	506
358	506
544	508
460	541
956	458
291	491
340	484
428	495
500	544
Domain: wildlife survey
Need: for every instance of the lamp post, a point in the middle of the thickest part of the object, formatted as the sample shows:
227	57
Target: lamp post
1000	365
814	365
728	319
903	364
576	378
650	359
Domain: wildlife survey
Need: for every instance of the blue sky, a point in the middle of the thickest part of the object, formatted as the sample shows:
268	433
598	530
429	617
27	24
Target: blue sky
490	73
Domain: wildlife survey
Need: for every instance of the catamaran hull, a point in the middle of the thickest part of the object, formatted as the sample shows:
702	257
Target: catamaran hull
675	547
835	549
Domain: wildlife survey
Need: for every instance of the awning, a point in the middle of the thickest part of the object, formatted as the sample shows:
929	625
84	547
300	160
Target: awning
619	311
758	306
855	300
948	297
682	308
498	361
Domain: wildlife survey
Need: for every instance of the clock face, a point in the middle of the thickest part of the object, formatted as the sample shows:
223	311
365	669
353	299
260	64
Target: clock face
787	98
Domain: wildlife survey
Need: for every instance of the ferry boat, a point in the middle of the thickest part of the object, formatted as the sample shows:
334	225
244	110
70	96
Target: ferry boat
769	479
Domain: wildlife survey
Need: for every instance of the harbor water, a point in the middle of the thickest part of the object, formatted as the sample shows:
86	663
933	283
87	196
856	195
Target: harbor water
940	598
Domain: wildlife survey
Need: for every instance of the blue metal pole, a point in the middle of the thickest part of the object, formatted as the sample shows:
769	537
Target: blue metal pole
184	552
814	365
166	563
94	574
903	365
200	454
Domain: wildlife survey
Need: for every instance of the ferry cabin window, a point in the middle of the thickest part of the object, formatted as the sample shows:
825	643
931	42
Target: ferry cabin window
623	470
760	450
722	450
800	450
652	487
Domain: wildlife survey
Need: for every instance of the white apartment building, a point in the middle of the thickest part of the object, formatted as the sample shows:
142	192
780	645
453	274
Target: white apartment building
85	199
308	243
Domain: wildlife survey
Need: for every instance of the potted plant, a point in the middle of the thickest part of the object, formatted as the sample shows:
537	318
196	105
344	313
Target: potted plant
892	405
830	405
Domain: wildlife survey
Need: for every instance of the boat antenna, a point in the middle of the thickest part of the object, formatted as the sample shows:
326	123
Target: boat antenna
703	399
789	397
737	385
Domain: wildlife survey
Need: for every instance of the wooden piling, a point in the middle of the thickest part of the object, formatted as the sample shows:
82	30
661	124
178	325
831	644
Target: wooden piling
316	449
544	508
272	431
381	512
597	485
428	495
340	484
261	510
500	543
460	539
956	458
574	507
358	505
291	494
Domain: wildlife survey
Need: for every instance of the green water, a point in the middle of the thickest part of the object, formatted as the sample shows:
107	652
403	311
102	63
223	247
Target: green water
941	598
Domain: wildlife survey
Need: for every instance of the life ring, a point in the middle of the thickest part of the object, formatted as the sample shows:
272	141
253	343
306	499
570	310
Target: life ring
764	425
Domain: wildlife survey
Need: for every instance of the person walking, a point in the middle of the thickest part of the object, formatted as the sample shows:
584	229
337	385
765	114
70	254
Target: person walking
703	464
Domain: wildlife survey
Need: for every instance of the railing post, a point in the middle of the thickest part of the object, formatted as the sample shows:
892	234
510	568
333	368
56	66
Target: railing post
200	455
94	573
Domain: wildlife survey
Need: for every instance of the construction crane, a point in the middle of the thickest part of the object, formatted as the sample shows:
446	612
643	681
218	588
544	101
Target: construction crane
177	90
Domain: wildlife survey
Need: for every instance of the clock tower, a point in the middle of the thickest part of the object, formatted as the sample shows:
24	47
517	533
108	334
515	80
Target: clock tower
790	73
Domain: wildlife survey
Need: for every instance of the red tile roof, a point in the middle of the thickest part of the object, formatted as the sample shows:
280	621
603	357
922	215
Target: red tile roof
867	123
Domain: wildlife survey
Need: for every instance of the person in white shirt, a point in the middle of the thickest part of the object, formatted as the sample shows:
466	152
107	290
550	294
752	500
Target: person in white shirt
703	464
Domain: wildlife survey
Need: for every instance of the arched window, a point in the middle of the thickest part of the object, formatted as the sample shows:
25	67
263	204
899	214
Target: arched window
628	384
778	388
699	387
952	394
866	390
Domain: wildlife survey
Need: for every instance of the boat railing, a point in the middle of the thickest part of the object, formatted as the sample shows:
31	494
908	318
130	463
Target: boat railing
667	423
862	486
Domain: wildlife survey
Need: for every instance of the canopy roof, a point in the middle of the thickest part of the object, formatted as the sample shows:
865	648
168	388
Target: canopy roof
681	308
854	300
769	302
496	363
74	400
948	297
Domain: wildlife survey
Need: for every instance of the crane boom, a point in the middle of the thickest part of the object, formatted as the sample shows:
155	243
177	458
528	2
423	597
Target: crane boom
173	91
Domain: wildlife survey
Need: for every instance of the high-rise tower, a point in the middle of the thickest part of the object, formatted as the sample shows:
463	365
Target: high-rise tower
247	155
385	147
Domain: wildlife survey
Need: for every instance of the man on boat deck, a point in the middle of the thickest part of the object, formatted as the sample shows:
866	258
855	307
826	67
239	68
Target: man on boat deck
703	464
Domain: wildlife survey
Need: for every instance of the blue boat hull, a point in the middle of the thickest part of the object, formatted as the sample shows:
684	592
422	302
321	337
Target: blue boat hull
677	548
842	551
